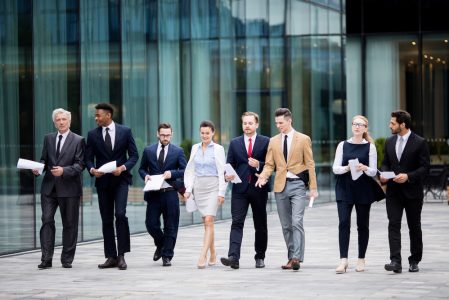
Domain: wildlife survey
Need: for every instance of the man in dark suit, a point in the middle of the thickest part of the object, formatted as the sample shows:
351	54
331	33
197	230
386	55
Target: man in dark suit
407	155
169	160
247	154
63	156
108	142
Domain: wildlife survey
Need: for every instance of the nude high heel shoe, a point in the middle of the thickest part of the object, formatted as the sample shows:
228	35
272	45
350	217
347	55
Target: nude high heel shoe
342	266
202	262
360	265
212	260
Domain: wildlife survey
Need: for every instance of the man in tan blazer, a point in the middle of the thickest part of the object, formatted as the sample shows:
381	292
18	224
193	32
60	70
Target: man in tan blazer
290	154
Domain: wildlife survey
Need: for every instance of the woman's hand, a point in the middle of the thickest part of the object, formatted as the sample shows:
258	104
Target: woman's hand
362	167
220	200
187	195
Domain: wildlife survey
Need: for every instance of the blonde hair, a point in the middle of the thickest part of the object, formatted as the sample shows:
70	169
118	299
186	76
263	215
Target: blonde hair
365	135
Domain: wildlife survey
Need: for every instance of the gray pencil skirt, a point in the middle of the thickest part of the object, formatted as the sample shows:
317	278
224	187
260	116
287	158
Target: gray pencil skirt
205	193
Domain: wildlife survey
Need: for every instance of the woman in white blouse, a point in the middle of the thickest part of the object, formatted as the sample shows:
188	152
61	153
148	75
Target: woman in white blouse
204	177
356	192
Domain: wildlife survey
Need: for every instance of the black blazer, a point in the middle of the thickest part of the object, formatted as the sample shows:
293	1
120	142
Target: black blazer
175	162
238	158
72	161
124	152
415	161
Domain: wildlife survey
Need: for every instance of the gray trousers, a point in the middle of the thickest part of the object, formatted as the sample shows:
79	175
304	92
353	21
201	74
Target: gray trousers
291	203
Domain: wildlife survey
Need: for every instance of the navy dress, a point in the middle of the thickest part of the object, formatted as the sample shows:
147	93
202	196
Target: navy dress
350	193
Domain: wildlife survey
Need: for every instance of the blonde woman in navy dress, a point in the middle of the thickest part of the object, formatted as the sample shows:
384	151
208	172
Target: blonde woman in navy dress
350	193
204	177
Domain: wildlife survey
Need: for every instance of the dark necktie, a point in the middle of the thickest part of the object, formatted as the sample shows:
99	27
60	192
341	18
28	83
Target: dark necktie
58	147
285	147
160	159
107	140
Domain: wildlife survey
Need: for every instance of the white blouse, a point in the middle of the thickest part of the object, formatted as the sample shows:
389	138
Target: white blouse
338	169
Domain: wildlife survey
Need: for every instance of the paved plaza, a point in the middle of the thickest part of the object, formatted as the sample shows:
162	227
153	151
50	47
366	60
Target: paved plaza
145	279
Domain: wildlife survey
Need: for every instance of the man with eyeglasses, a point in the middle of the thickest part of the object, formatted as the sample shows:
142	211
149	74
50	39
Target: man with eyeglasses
163	158
407	155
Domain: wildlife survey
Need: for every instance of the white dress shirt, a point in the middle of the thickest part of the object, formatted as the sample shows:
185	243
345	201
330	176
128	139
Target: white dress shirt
289	146
64	137
111	133
405	139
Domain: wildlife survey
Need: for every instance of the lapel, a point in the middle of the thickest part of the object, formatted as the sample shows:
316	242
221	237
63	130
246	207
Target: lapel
244	152
295	143
118	137
52	146
68	141
280	148
169	156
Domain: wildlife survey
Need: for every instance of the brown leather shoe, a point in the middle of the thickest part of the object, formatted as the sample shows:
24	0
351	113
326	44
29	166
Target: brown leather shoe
287	266
121	263
295	264
109	263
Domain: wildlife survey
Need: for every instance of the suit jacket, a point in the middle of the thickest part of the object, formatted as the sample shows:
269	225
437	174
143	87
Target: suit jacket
300	158
175	162
414	162
238	158
220	160
97	153
71	159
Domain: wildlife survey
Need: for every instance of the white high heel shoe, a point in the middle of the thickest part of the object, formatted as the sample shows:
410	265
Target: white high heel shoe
342	266
360	265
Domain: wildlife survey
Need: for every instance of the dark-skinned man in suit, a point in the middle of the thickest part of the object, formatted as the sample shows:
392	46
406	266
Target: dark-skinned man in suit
63	156
247	154
407	155
167	159
108	142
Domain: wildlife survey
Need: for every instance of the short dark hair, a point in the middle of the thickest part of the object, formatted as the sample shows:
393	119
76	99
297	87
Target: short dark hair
209	124
164	125
283	112
250	113
402	117
105	106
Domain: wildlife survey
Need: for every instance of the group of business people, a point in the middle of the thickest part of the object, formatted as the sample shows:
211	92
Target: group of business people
254	157
407	156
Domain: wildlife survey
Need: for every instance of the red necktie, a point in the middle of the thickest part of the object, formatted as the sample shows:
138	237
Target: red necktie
250	153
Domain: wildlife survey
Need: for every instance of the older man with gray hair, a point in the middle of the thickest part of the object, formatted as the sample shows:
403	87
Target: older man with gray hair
63	156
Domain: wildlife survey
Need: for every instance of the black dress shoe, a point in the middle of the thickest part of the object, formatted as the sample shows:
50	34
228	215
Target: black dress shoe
121	263
109	263
394	266
295	264
67	265
157	254
166	262
260	263
44	265
413	267
230	262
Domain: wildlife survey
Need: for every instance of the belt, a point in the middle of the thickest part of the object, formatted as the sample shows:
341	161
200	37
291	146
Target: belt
168	189
293	179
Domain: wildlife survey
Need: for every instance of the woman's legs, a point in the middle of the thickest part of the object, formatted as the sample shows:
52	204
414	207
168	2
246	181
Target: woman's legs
208	241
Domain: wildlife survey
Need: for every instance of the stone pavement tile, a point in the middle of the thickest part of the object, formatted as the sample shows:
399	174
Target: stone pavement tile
20	278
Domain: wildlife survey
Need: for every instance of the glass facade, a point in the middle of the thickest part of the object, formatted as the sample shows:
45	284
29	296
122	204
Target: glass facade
177	61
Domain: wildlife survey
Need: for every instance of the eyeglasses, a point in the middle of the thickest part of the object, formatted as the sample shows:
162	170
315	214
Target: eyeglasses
165	135
358	125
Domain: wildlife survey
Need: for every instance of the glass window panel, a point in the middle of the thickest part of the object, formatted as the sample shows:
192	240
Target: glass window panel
256	18
277	17
298	18
238	14
319	20
226	19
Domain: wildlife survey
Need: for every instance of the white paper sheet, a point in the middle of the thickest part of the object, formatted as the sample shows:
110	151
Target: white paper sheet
387	175
30	165
311	201
353	163
154	184
229	170
191	204
108	167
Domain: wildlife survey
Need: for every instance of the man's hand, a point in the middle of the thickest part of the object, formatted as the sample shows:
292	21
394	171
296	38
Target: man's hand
147	177
96	173
35	172
229	177
57	171
220	200
313	193
119	170
383	179
261	181
253	162
187	195
401	178
167	175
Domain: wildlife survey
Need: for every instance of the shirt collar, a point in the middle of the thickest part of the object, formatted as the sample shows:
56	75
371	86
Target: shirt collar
64	135
111	127
253	138
290	134
405	136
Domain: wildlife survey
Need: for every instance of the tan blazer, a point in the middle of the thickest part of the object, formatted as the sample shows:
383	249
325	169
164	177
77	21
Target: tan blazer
299	159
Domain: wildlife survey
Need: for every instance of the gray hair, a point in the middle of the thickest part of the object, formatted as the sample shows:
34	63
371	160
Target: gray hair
61	111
